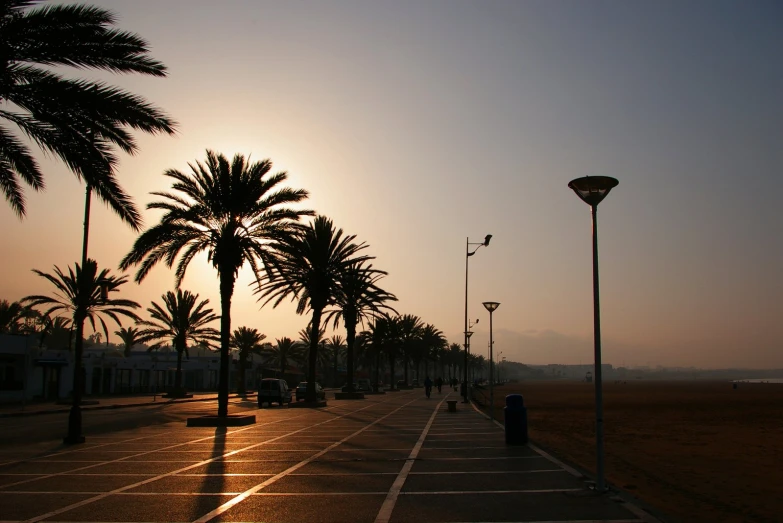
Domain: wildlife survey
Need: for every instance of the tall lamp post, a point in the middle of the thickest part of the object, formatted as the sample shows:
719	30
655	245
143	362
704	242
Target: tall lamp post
468	254
491	306
592	190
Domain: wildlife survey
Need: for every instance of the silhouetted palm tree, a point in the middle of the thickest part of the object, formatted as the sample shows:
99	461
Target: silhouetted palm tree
455	355
232	211
129	337
322	358
181	321
246	341
306	267
12	316
57	332
83	294
384	338
359	298
76	120
282	353
335	348
432	339
410	333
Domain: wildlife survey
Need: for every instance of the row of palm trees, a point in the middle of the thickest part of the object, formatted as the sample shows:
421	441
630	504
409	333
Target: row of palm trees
236	211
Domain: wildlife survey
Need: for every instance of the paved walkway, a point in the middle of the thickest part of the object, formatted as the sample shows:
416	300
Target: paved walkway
392	458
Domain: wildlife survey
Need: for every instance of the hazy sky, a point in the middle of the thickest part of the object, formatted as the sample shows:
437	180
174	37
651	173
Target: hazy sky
415	124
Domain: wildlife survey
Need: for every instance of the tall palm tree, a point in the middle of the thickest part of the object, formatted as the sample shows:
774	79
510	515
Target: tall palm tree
384	338
306	266
179	322
58	332
83	293
230	210
246	341
455	353
359	298
130	337
77	120
282	353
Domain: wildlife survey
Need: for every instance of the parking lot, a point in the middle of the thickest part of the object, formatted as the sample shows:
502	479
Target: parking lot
396	457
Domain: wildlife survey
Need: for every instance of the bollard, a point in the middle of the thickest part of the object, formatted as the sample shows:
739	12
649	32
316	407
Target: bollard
515	418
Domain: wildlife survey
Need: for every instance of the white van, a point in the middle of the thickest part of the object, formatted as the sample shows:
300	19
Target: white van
273	389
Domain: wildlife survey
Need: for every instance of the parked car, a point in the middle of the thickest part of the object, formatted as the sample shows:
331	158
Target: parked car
361	385
301	391
273	389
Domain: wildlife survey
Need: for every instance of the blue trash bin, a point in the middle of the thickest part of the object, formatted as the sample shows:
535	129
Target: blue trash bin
515	418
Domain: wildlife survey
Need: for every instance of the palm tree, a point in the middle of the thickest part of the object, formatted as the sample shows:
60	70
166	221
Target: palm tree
322	358
410	332
83	293
181	321
246	341
432	340
76	120
359	298
12	317
232	211
306	267
455	355
384	338
335	348
59	332
284	352
130	337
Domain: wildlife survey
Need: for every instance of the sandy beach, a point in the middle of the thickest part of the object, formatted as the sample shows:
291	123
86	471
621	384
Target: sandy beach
697	451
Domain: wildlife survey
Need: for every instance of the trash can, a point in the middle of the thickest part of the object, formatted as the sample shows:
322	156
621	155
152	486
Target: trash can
515	418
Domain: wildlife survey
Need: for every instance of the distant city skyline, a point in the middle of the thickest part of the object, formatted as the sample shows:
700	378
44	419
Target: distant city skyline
417	124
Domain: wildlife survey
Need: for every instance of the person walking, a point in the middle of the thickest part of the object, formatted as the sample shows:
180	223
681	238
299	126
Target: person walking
427	386
439	383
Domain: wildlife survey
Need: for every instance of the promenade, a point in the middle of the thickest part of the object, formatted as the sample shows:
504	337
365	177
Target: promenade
394	458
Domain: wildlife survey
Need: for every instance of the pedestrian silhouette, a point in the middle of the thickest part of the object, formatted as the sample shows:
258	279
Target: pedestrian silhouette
427	386
439	383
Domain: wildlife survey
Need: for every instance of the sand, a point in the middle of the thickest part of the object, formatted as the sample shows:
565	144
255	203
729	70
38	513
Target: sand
695	451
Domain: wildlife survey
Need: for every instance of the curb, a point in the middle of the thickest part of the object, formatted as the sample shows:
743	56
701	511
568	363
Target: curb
107	407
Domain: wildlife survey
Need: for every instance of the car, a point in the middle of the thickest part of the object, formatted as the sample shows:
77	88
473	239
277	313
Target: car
301	390
361	385
273	390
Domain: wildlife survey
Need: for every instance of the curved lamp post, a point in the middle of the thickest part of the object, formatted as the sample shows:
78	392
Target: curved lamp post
491	306
592	190
468	254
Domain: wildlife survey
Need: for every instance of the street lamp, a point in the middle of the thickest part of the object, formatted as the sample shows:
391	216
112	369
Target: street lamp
468	254
592	190
491	306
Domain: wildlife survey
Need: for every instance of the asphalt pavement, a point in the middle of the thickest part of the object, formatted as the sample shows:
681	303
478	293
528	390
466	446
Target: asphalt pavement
390	458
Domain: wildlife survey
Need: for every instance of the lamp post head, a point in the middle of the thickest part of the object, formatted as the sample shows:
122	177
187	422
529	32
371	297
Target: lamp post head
491	305
469	334
592	189
486	240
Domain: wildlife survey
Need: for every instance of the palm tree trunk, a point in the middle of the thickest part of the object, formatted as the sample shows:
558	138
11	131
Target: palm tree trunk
226	292
178	375
314	335
391	372
241	376
350	335
334	375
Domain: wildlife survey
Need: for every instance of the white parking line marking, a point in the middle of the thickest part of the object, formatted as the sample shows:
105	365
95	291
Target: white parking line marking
230	503
384	514
155	478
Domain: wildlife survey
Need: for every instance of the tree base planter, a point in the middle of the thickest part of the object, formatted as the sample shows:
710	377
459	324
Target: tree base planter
307	404
392	390
218	421
349	395
83	402
405	387
375	392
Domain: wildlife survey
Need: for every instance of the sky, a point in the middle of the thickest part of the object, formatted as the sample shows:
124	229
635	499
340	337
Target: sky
415	125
